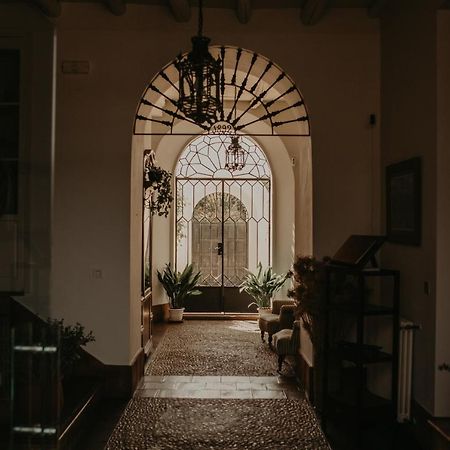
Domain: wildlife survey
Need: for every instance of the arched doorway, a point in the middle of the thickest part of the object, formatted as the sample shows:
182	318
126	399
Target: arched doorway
223	219
260	101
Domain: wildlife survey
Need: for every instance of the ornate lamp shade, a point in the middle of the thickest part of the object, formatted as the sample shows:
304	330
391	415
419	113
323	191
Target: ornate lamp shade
199	85
236	156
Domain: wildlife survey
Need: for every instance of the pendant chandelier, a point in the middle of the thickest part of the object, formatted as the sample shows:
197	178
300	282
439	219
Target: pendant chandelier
199	76
236	156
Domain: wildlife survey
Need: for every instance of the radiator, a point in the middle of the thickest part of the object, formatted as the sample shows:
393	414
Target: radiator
405	369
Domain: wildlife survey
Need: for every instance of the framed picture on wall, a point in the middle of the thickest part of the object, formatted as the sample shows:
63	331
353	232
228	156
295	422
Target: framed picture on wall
404	202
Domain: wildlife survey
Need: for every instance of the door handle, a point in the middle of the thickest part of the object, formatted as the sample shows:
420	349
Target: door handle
219	248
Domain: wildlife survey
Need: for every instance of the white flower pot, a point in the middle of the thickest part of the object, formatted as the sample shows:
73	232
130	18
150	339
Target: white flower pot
264	310
176	315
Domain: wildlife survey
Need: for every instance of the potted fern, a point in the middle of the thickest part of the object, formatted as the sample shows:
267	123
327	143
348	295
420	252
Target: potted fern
178	286
262	286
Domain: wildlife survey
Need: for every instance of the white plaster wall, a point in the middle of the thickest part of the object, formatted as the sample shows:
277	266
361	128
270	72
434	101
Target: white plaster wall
335	65
442	378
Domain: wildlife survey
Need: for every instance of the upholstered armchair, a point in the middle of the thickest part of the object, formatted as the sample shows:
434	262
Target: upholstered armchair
281	316
287	342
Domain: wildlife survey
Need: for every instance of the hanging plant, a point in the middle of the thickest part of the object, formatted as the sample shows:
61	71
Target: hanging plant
158	195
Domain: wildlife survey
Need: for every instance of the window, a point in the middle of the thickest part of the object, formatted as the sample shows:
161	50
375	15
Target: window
9	129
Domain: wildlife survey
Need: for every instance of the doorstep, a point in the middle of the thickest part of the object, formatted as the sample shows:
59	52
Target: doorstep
220	316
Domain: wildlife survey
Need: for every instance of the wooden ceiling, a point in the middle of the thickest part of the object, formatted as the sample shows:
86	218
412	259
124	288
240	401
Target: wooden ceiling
310	11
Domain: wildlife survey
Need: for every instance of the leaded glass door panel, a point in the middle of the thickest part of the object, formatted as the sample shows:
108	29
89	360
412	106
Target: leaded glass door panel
222	221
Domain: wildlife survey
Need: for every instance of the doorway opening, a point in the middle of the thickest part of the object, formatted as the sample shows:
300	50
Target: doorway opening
223	220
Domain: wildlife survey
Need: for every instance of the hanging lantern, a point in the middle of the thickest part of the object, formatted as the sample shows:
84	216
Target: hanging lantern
199	76
236	156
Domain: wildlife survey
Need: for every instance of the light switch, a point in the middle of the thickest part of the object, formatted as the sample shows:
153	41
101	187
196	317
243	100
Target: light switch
97	274
75	67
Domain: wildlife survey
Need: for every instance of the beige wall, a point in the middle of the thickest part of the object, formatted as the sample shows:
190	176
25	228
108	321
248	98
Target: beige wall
408	83
442	380
336	67
95	115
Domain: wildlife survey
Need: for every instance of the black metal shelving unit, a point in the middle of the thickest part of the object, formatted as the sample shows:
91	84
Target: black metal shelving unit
348	404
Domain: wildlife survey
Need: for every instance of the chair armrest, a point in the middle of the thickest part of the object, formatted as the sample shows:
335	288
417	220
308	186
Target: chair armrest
295	338
287	316
277	304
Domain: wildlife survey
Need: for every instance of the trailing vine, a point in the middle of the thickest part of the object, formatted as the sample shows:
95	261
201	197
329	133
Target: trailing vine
158	195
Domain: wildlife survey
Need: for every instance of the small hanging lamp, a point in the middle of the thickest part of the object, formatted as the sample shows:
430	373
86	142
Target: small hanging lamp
199	74
236	156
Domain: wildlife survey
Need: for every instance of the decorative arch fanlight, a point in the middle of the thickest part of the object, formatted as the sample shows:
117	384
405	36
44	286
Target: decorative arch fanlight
256	98
206	157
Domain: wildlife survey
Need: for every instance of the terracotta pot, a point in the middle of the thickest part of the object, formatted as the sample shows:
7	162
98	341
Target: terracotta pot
264	309
176	315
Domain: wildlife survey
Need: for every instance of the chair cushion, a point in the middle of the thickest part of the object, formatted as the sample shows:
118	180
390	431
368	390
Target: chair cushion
282	342
269	323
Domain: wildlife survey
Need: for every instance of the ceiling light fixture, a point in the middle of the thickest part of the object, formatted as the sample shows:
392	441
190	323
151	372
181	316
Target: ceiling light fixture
236	156
199	75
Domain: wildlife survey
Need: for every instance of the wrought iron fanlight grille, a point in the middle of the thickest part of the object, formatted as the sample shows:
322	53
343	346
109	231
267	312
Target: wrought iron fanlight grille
257	98
205	157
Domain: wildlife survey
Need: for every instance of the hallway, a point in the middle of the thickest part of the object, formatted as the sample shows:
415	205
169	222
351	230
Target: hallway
207	410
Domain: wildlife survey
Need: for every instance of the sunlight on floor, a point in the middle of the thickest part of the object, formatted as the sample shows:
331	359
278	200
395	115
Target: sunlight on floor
245	326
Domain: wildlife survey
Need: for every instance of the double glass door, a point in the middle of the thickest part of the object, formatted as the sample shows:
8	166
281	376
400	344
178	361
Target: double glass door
222	228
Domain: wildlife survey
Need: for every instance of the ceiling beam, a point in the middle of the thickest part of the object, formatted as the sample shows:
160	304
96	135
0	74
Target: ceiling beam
376	8
117	7
313	10
243	10
181	10
51	8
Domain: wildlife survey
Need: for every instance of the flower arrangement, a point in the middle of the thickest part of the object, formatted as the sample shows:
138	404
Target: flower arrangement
309	292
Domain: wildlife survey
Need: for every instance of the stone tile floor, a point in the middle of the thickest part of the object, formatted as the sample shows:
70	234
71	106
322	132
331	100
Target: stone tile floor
235	387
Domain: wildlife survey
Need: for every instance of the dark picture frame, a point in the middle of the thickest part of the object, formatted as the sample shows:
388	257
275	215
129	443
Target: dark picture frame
404	202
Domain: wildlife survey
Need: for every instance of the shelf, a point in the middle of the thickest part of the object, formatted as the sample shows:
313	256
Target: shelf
349	351
369	309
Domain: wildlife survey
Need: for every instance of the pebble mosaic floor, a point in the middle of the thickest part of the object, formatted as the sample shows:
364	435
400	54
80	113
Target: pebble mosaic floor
213	347
217	424
212	385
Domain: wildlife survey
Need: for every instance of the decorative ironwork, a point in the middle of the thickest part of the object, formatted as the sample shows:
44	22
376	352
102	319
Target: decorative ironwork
231	213
205	156
257	98
222	217
208	231
199	82
236	156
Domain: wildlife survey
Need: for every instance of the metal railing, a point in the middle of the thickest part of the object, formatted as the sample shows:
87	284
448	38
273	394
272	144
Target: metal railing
35	387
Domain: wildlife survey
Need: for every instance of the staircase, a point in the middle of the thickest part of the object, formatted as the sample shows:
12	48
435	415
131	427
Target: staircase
47	411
